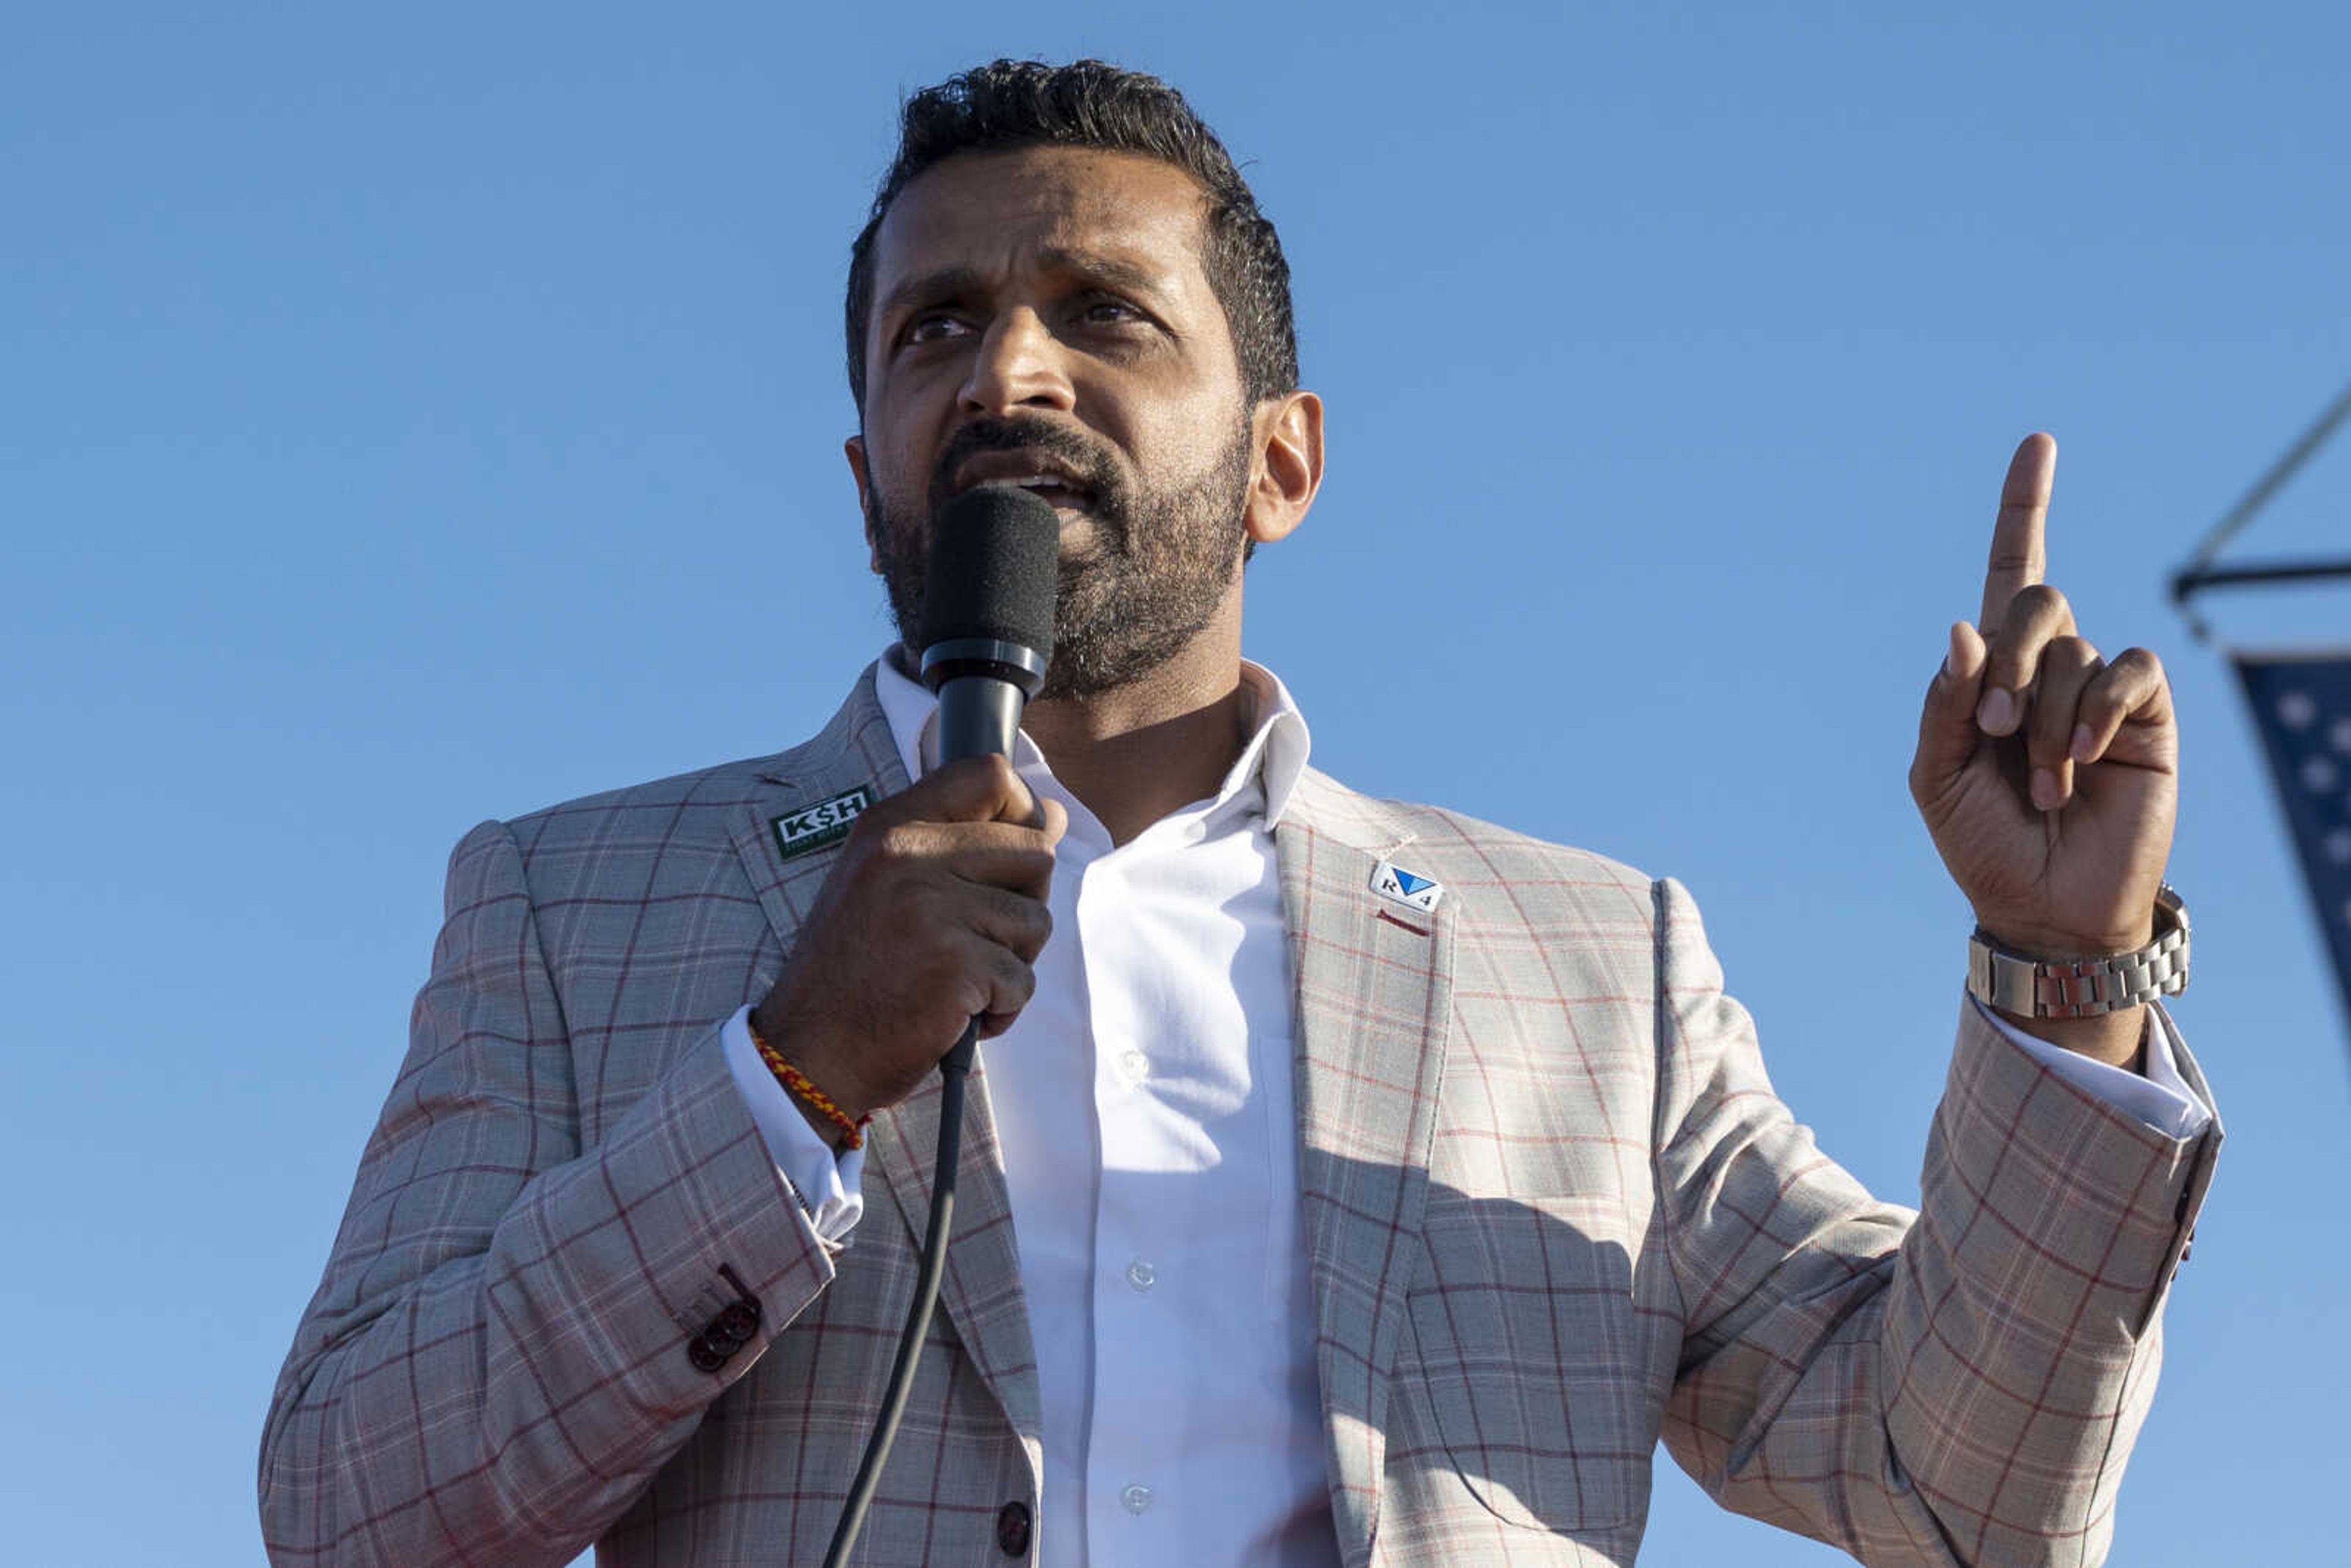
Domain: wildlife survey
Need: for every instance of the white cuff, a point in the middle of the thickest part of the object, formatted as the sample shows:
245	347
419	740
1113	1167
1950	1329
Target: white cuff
2161	1099
826	1184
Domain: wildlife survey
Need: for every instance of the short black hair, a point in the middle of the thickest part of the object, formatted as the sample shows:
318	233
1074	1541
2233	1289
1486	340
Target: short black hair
1007	105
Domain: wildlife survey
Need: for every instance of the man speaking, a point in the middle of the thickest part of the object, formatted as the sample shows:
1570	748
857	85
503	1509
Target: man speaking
1343	1180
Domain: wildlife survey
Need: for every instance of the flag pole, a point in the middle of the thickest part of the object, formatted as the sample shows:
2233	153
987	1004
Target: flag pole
2200	573
2300	702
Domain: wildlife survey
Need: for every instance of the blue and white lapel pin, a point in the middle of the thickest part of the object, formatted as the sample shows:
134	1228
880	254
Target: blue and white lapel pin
1410	889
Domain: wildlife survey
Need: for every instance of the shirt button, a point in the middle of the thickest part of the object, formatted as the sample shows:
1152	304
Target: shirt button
1136	1066
1142	1276
1135	1497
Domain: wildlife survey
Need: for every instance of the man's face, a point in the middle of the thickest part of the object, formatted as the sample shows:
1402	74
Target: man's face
1044	316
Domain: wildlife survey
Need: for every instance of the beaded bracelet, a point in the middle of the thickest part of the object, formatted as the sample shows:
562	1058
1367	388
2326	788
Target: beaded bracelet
793	1079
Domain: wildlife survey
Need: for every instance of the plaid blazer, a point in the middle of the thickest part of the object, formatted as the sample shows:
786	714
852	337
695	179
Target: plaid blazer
1556	1212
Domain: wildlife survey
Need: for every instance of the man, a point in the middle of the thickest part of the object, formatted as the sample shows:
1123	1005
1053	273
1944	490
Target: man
1346	1181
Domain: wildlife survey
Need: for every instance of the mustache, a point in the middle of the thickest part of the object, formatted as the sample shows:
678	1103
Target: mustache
1092	466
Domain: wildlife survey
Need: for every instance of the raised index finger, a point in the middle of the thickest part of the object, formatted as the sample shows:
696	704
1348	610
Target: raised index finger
2018	554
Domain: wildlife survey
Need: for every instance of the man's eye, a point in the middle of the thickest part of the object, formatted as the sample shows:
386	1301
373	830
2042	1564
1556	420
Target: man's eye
1111	312
933	328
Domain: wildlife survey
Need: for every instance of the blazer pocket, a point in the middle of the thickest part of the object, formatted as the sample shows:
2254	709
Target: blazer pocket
1532	1358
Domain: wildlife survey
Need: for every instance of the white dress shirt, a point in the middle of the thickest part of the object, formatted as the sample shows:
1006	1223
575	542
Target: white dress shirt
1144	1102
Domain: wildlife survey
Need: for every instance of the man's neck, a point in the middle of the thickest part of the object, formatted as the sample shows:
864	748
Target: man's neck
1136	753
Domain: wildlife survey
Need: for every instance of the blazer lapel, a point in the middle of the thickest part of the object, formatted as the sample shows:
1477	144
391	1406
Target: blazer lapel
853	752
1374	993
981	1292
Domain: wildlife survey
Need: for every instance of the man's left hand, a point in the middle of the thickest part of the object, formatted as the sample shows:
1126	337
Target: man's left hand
2047	774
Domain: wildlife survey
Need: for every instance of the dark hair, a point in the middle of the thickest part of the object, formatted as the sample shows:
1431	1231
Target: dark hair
1011	104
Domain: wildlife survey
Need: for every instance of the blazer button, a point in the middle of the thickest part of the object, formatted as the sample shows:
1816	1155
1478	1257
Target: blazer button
705	1355
1012	1529
736	1324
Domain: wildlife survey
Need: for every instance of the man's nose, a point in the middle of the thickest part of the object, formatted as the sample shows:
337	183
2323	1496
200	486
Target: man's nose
1018	366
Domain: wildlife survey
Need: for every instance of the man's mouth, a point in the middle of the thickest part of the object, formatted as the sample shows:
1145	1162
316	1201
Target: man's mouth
1058	493
1044	474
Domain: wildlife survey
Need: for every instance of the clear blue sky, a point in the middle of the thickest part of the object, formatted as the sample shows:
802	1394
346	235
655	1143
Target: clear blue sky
425	414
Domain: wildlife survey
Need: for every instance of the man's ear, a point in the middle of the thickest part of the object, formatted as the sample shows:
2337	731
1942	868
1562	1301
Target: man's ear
854	450
1287	468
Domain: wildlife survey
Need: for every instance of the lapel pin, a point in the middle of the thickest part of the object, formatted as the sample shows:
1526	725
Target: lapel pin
806	829
1393	883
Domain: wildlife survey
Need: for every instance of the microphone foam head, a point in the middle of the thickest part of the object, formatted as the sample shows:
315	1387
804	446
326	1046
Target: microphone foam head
996	561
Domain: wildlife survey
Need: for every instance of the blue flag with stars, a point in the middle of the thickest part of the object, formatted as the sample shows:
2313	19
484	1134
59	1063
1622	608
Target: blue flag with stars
2302	704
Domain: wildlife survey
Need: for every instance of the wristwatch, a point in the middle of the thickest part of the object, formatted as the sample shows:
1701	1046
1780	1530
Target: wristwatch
2027	987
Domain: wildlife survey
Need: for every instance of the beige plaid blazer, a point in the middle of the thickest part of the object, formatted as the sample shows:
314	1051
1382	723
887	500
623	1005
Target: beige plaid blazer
1555	1211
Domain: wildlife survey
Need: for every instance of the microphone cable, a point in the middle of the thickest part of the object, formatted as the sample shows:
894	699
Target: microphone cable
954	1069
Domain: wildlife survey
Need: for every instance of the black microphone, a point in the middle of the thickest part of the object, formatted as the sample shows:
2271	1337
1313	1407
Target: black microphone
988	615
988	631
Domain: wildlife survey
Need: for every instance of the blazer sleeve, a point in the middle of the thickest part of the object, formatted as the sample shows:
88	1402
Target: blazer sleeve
503	1349
1960	1389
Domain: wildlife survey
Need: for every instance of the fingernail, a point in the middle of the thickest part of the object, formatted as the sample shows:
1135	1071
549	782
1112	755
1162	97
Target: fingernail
1997	712
2045	796
2083	743
1952	653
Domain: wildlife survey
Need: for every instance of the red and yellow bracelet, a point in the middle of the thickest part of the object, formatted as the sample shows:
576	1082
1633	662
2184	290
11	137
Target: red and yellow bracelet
793	1079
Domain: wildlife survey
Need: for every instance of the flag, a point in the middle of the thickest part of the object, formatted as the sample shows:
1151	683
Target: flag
2302	704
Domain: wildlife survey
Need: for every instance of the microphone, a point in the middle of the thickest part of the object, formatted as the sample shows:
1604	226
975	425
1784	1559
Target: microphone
988	615
988	631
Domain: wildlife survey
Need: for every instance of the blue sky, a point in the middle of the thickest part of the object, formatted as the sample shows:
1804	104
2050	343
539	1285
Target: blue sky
423	415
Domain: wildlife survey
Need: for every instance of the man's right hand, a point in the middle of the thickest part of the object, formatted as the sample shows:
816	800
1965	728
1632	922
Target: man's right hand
930	918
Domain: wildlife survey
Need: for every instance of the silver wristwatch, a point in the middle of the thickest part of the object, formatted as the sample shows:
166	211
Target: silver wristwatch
2083	988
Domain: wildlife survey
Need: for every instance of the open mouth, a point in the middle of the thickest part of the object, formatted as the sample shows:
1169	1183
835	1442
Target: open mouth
1054	490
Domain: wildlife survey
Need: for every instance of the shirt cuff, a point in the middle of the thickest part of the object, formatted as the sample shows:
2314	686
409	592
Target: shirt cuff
827	1185
2160	1098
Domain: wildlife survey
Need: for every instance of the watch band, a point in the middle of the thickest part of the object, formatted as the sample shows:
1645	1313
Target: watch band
2027	987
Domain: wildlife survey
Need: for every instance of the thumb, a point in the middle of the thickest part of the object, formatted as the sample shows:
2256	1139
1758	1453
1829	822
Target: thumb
1948	735
968	789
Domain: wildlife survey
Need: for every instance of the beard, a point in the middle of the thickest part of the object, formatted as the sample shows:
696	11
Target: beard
1152	574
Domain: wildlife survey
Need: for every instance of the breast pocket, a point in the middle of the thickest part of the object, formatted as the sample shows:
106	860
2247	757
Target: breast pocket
1533	1359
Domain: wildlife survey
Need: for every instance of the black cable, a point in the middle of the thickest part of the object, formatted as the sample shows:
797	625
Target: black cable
953	1068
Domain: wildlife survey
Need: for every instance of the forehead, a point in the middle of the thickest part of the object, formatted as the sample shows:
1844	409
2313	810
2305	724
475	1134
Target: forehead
991	213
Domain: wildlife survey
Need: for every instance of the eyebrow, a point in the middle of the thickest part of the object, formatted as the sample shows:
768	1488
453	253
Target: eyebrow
948	282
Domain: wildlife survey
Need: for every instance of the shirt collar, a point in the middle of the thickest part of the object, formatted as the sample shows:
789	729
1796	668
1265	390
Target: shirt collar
1271	762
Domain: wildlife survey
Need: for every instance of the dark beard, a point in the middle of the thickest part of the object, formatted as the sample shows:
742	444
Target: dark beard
1151	578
